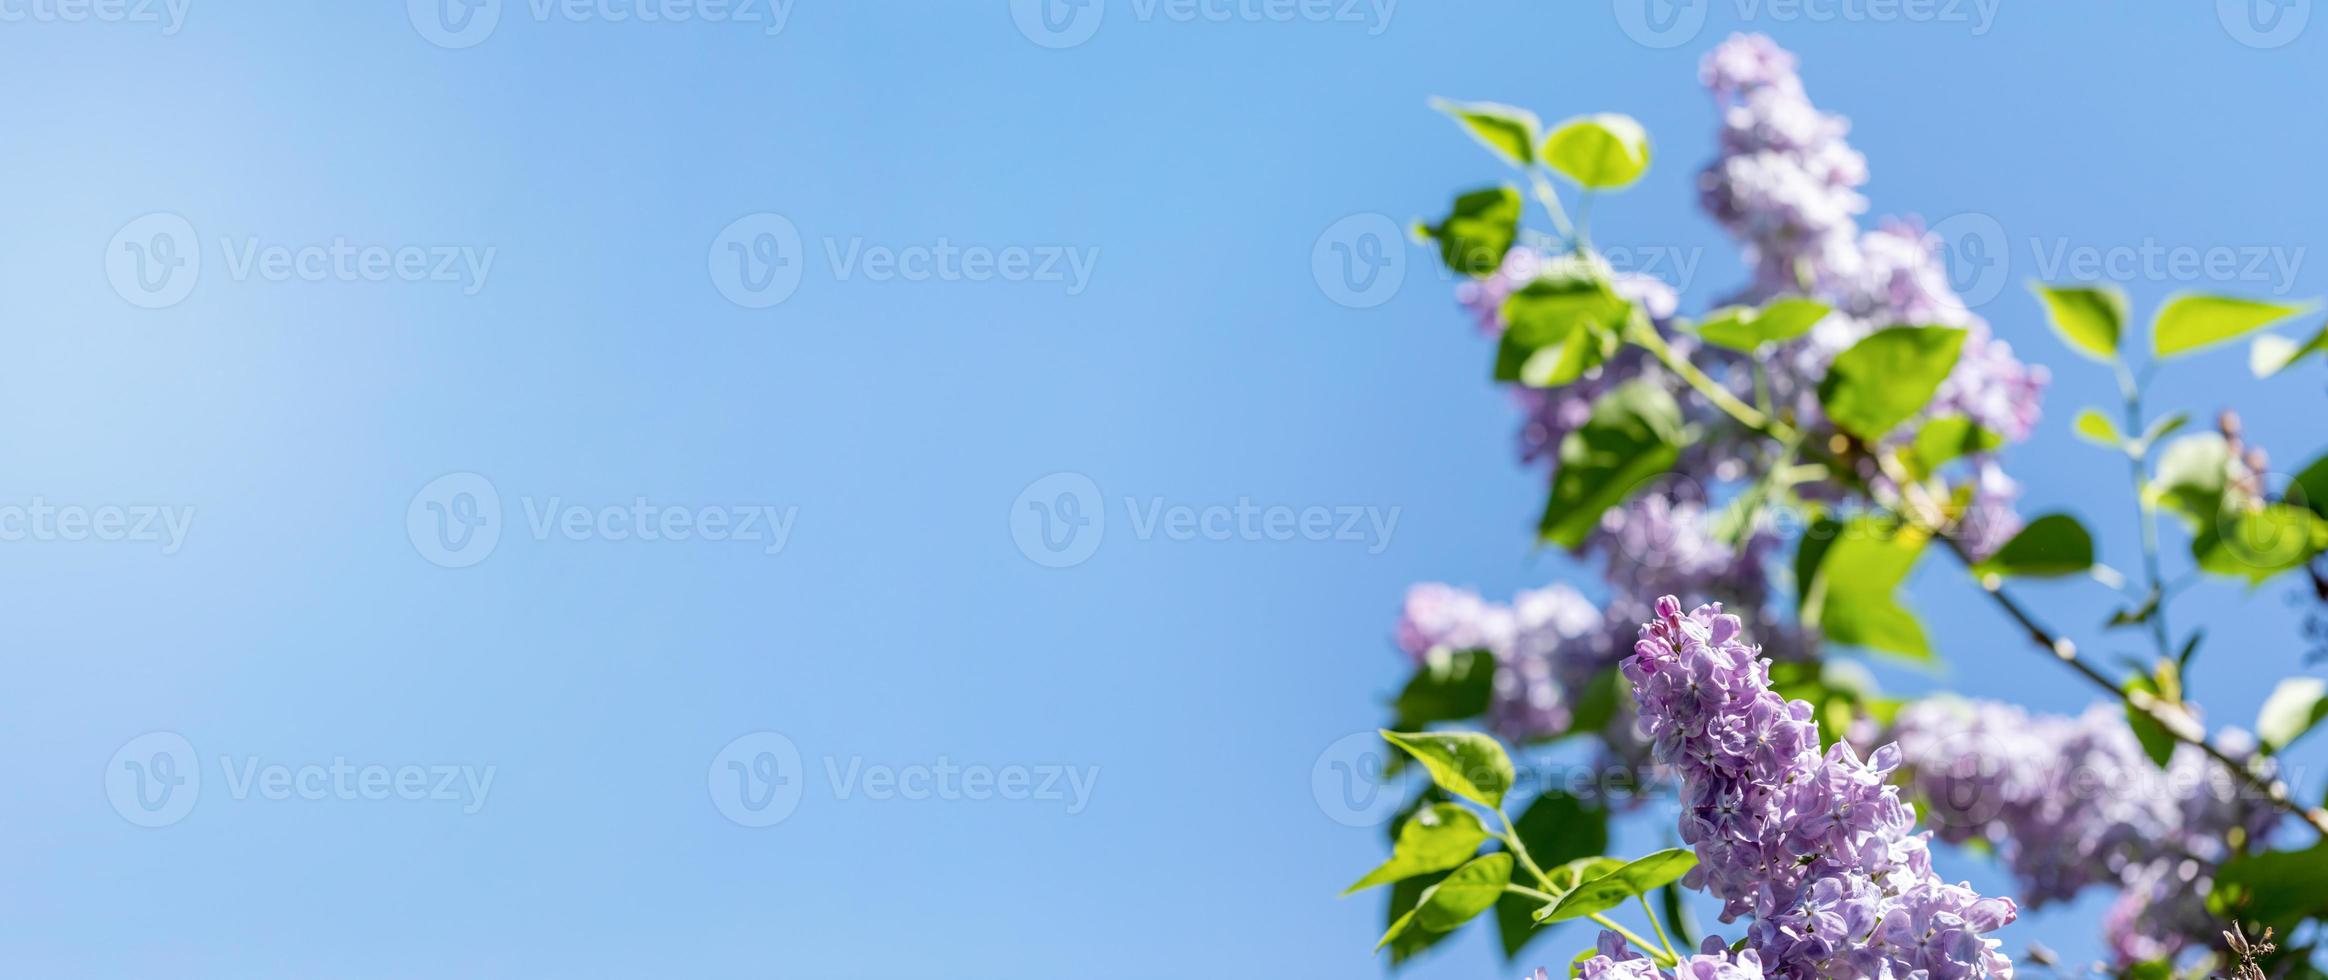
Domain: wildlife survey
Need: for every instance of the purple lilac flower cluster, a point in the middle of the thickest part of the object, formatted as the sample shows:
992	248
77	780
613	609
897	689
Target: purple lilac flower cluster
2072	802
1547	643
1613	960
1817	848
1786	186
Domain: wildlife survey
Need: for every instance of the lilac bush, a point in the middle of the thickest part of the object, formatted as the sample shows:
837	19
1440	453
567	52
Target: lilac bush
1778	466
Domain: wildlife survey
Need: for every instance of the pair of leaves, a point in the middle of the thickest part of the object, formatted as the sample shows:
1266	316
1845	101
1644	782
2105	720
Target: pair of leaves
1888	377
1600	152
1850	573
2096	428
1633	435
1455	899
1559	327
2092	320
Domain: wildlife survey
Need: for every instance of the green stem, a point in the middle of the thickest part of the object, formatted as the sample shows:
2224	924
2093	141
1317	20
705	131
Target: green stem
2143	516
1662	939
1663	958
1511	841
1640	331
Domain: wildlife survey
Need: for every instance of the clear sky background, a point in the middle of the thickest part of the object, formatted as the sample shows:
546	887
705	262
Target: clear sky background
1193	164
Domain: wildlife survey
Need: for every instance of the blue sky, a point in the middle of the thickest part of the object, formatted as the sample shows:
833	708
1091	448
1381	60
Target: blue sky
1024	268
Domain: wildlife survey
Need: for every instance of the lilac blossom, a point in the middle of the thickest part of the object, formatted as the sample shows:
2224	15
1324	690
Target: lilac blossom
1817	848
1613	959
1547	643
2069	803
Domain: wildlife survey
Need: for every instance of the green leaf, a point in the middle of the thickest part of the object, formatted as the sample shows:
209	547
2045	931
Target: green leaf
1854	571
1638	877
2192	321
1598	704
1558	327
1556	829
2293	708
1451	685
2050	546
1463	894
2156	743
1510	132
2310	487
1602	151
1479	230
2090	318
1634	434
2275	888
1747	329
1412	940
1436	838
1949	437
2258	544
2096	428
2273	353
1467	764
1888	377
2191	475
